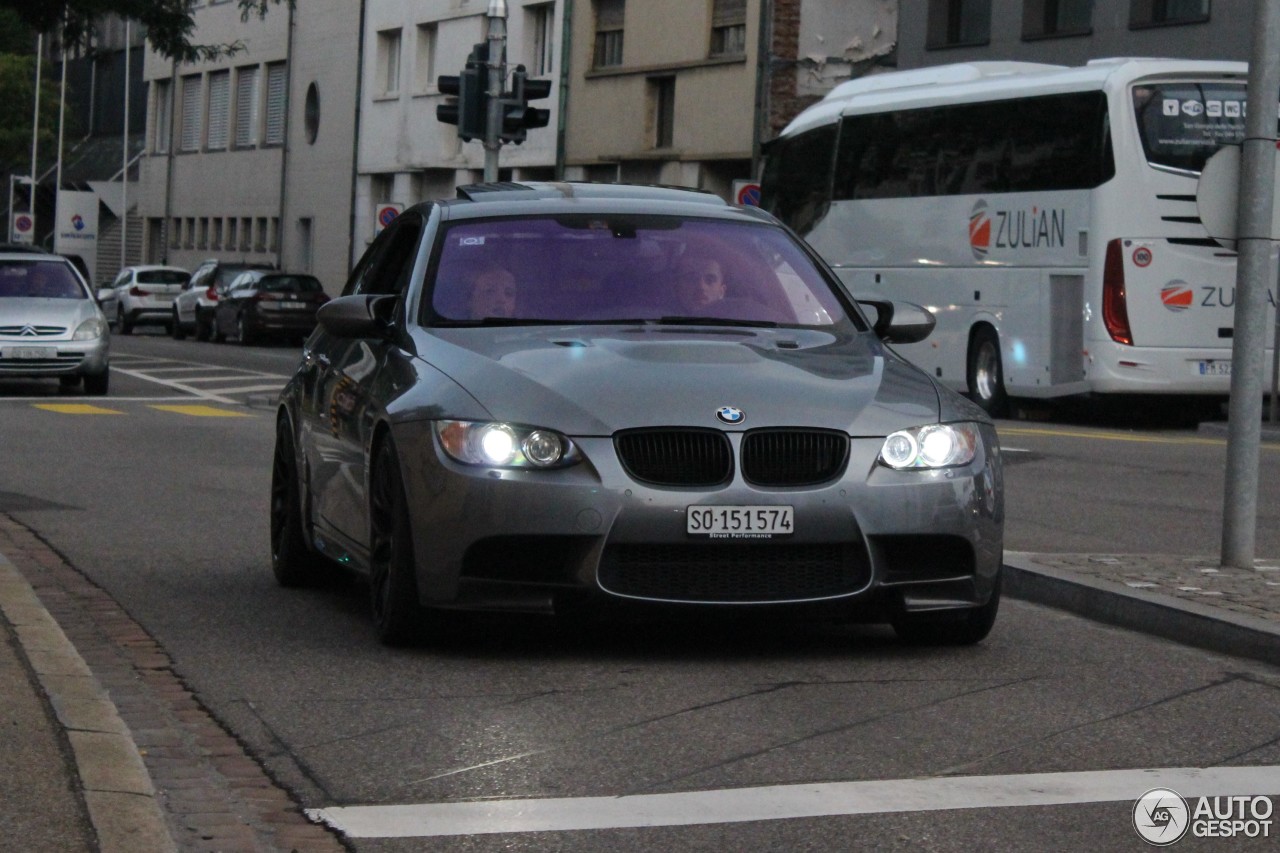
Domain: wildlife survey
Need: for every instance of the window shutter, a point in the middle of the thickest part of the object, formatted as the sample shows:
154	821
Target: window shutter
727	13
191	113
219	106
247	108
164	117
610	14
275	104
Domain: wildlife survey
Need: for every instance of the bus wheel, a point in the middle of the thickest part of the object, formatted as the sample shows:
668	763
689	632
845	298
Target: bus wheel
985	373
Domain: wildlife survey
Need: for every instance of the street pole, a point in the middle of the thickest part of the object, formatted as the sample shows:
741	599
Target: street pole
497	15
1255	275
35	134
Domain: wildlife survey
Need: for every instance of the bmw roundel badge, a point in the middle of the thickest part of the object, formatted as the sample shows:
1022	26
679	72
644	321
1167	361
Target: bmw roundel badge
731	415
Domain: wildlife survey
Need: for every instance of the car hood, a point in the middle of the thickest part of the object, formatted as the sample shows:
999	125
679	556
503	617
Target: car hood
596	380
36	311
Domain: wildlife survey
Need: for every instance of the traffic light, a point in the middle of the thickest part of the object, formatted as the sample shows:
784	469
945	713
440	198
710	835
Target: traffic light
517	115
469	107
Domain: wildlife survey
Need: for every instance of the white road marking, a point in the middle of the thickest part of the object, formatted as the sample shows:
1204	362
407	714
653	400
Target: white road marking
187	383
779	802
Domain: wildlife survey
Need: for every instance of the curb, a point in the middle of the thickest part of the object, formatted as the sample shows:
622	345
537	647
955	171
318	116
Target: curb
1185	622
117	789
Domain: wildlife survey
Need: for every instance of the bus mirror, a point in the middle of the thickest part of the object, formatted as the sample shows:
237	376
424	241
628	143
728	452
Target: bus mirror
899	322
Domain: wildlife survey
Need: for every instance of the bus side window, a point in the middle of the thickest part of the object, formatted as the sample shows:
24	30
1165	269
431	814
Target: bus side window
797	178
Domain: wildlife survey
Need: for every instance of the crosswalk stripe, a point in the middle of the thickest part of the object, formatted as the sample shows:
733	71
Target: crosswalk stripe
76	409
775	802
203	411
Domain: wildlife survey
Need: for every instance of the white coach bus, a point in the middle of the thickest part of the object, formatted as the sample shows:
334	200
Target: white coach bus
1046	215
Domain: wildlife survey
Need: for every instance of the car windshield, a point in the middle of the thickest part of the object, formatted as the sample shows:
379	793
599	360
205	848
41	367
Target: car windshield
40	279
290	284
626	268
162	277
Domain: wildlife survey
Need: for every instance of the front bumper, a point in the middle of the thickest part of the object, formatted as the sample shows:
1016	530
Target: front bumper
22	358
523	539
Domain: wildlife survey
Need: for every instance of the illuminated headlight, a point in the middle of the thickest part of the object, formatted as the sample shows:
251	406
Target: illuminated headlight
94	327
933	446
505	445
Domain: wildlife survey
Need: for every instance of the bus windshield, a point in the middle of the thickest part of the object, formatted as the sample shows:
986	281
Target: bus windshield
1183	124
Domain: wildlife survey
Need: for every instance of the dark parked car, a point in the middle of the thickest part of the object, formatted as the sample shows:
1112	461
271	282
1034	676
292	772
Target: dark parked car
264	304
547	395
193	307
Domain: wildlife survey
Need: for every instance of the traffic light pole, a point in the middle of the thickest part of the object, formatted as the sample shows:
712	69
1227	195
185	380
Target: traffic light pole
497	15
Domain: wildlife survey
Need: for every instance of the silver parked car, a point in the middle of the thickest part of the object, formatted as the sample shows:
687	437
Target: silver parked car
564	395
142	295
50	324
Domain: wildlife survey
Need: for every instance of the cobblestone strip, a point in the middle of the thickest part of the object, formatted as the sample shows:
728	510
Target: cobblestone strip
215	797
1252	592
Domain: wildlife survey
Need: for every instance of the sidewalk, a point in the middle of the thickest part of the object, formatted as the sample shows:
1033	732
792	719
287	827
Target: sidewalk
77	781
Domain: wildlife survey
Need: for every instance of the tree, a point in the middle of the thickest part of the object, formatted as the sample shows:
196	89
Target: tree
169	23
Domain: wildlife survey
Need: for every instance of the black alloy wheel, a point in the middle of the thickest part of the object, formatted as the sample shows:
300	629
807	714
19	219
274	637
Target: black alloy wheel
398	617
950	628
292	561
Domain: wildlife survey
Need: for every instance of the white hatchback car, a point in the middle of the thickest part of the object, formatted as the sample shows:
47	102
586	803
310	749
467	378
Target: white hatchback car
142	295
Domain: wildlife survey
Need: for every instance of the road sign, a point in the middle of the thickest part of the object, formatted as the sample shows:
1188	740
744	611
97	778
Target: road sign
746	192
384	214
1218	197
24	228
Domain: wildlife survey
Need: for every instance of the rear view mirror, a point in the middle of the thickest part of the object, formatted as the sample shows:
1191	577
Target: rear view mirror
359	316
104	293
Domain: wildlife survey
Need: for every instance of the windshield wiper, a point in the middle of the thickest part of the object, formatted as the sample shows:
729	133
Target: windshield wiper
714	321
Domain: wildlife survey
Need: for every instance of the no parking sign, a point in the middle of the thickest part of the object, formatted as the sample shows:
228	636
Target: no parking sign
384	214
24	228
746	193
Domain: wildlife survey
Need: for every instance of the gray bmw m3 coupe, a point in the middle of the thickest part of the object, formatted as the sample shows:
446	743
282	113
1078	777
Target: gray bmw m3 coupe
546	396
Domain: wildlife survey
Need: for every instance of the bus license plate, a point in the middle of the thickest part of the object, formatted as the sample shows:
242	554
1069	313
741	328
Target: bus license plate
1215	368
740	522
30	353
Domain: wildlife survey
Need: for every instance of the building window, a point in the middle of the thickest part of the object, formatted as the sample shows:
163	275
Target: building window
190	241
610	15
190	113
1047	18
389	62
664	111
247	107
219	110
1163	13
541	23
246	233
276	80
305	248
163	127
424	65
175	233
955	23
215	233
231	233
729	28
202	238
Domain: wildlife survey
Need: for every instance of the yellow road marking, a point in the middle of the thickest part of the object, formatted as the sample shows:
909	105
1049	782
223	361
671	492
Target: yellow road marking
202	411
1119	436
76	409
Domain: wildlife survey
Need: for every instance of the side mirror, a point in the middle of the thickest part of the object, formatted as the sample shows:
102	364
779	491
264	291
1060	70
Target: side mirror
899	322
358	316
104	293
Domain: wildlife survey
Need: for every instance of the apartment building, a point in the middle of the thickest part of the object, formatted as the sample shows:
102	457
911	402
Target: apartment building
249	156
406	154
674	92
1071	32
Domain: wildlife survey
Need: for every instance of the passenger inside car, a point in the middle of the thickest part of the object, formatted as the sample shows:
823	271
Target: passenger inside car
492	292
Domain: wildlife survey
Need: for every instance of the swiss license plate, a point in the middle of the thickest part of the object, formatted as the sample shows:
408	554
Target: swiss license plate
1215	368
293	304
29	353
740	522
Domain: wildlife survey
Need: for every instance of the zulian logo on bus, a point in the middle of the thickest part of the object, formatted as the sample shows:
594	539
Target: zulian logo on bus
1036	228
1177	296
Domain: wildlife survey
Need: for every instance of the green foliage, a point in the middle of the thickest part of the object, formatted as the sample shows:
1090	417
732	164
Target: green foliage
169	23
17	83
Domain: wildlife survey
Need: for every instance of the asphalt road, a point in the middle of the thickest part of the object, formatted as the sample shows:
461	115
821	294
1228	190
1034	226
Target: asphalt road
162	502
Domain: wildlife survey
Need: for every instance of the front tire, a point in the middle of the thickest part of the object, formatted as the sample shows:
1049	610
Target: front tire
204	326
178	331
122	320
96	384
985	372
950	628
215	330
242	331
398	616
292	561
